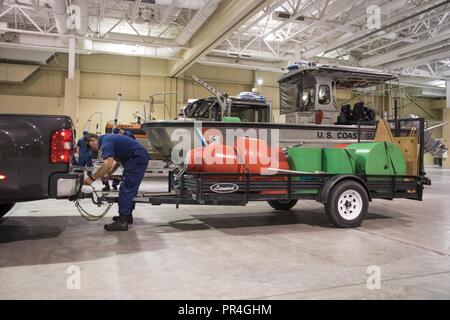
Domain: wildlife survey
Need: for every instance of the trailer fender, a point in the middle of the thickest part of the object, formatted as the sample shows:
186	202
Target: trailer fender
330	183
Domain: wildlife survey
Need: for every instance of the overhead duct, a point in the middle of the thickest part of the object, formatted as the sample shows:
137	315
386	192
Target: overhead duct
123	49
418	92
28	56
16	73
59	9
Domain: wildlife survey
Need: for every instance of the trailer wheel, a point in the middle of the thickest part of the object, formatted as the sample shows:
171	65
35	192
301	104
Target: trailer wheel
282	205
5	207
347	204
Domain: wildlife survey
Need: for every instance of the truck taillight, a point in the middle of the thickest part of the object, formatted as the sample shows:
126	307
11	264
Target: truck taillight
2	177
61	146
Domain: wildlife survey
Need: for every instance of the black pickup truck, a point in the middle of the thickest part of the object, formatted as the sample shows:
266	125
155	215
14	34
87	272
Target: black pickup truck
35	159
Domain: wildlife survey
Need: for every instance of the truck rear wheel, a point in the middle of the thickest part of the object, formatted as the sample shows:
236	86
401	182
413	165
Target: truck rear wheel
282	205
5	207
347	204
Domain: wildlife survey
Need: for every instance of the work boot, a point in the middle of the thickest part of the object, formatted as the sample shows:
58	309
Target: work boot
121	224
130	218
106	188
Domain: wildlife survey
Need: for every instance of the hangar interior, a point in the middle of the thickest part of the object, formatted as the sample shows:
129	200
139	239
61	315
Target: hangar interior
75	57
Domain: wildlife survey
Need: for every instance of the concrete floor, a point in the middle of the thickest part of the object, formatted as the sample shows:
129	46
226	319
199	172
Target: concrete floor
230	253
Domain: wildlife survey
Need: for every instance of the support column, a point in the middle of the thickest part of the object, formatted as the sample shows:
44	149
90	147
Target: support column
71	105
448	94
446	129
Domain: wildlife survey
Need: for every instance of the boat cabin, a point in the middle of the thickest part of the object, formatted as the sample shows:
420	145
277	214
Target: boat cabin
308	88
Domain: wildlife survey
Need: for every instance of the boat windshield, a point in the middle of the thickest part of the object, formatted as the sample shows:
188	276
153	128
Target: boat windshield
199	109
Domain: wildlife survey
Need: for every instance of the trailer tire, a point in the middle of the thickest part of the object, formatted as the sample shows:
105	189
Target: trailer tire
282	205
5	207
347	204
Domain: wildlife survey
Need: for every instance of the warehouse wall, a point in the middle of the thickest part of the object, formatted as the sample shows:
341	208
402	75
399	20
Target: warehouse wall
102	77
31	104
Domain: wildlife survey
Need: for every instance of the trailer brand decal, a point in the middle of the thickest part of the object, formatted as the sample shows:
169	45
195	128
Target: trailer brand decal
224	187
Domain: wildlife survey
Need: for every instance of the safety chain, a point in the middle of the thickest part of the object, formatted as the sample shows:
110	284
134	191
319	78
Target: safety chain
90	217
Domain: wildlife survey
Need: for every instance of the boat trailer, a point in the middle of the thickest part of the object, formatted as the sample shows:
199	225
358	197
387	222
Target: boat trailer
285	188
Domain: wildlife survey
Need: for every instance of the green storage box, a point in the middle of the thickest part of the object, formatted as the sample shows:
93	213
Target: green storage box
231	119
305	159
378	158
339	161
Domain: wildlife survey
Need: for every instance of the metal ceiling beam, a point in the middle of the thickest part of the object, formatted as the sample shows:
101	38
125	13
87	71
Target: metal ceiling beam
370	33
269	11
111	29
242	64
168	12
29	18
337	8
102	9
404	50
260	55
420	60
137	4
229	16
395	32
343	38
411	38
312	5
6	11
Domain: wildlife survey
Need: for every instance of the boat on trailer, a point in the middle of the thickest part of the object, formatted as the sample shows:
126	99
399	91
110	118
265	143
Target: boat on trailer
305	91
164	136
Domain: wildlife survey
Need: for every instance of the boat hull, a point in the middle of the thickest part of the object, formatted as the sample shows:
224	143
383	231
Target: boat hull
165	137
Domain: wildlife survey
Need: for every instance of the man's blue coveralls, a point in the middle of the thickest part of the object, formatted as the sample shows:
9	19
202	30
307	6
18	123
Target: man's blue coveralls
84	154
134	159
128	134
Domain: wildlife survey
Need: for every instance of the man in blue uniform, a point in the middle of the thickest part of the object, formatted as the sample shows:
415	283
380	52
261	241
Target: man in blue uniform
127	133
116	181
119	150
84	153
